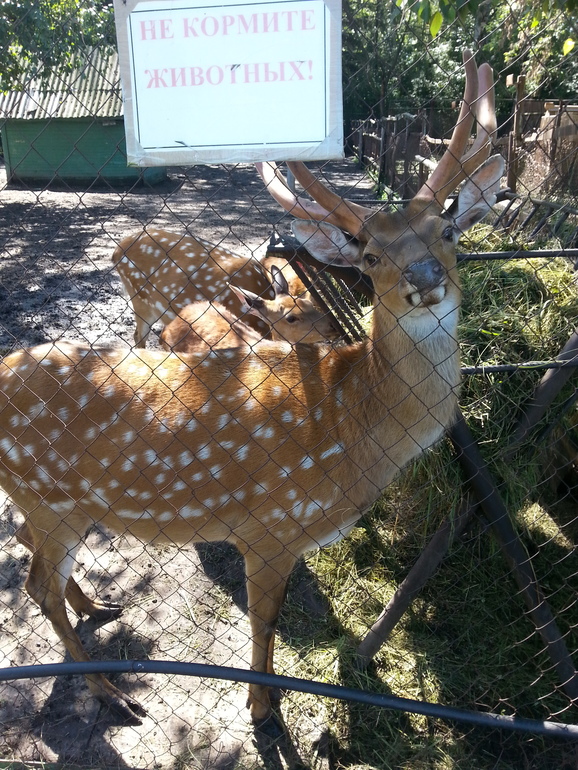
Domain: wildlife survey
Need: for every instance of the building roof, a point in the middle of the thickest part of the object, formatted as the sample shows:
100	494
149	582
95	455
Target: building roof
90	89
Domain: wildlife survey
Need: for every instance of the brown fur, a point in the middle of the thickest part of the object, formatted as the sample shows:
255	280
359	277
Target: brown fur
204	325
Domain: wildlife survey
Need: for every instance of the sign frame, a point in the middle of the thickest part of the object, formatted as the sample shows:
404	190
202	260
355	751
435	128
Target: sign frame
230	81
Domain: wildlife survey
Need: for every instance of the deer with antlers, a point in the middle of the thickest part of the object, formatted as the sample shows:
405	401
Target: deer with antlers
278	449
163	272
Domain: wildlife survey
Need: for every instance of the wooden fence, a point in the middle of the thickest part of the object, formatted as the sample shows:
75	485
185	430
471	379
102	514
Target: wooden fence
541	148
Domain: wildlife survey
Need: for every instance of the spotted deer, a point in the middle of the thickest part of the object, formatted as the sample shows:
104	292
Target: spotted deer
278	449
163	272
205	326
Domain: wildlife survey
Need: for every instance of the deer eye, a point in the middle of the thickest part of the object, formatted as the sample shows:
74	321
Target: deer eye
370	259
291	319
448	233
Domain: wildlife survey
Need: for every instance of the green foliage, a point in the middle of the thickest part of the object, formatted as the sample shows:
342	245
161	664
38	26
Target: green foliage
436	13
45	34
440	12
387	66
401	55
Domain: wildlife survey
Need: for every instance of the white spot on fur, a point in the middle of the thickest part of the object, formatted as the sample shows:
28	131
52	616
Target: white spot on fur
204	453
242	452
337	448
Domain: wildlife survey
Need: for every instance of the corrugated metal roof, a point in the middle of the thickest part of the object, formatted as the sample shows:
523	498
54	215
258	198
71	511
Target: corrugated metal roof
91	89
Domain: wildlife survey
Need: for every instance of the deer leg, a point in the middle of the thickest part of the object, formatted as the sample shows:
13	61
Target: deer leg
101	612
266	588
142	331
144	316
48	584
148	313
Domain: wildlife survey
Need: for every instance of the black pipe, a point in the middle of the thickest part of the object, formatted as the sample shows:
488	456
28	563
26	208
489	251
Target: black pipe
527	366
485	256
435	710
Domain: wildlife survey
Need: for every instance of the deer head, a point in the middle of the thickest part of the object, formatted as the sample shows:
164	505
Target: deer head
419	241
294	319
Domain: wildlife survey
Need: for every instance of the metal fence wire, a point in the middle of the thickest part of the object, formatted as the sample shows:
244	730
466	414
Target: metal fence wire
167	496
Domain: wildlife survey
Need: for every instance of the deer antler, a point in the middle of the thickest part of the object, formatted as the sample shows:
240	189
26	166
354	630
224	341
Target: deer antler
487	124
453	168
299	207
350	216
478	103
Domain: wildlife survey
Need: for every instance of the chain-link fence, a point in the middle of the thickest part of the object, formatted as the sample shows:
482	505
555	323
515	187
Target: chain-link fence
457	588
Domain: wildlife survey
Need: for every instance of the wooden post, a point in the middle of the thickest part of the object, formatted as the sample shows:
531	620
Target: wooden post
360	143
381	173
516	133
554	142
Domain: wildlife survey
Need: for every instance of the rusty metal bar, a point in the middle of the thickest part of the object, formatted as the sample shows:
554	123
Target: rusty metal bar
428	562
545	392
495	512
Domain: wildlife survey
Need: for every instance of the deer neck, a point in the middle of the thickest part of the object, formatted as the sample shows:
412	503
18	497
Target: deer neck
402	391
415	344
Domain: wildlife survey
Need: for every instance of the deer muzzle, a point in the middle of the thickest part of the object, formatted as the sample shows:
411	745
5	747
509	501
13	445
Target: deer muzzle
426	278
425	275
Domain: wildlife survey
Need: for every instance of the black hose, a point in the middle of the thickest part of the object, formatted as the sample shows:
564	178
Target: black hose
550	729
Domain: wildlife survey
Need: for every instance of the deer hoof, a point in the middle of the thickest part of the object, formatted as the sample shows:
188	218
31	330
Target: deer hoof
104	612
127	709
118	703
270	726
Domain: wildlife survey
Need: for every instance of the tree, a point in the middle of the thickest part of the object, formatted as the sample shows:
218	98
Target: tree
39	36
397	57
385	60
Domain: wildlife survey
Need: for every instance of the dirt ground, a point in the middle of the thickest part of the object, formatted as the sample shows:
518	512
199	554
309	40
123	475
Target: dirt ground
56	281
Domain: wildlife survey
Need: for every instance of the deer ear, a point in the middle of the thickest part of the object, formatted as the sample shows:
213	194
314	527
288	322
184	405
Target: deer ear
326	243
478	194
280	285
250	303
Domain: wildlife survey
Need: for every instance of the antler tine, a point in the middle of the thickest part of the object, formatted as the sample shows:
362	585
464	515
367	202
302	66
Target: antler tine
447	174
347	215
278	188
485	110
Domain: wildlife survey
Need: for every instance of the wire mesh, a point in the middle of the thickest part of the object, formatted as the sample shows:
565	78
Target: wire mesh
467	638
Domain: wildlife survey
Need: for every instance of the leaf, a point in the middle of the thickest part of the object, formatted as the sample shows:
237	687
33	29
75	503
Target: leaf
568	46
436	23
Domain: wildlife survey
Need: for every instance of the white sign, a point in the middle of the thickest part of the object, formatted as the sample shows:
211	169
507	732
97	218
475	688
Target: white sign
207	82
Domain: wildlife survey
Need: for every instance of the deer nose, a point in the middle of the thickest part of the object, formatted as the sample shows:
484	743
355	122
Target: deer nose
425	275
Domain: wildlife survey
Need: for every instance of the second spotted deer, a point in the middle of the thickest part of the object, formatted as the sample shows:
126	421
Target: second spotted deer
163	272
278	449
204	325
